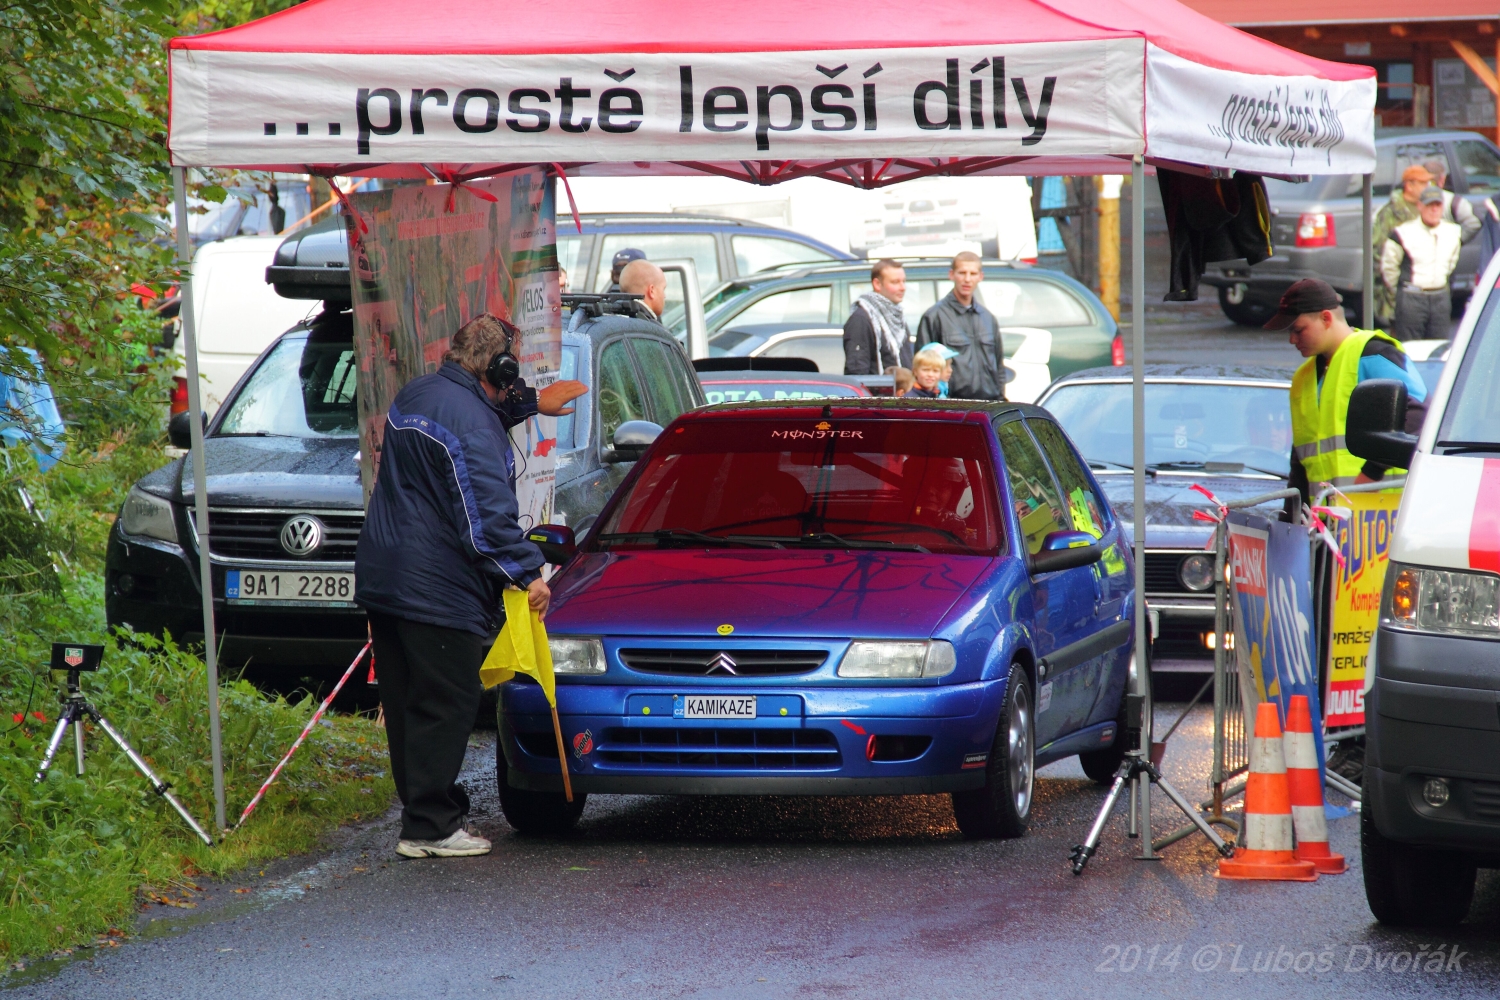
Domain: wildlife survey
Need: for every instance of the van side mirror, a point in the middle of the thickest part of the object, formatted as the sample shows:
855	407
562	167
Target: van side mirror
632	438
1376	426
180	430
556	542
1066	550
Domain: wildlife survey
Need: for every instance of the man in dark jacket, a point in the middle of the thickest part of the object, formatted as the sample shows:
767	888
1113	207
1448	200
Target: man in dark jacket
958	321
875	335
440	541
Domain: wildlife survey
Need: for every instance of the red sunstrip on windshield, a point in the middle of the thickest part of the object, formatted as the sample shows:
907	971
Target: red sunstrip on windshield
1484	530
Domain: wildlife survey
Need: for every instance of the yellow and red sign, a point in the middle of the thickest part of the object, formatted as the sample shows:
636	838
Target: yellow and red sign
1365	541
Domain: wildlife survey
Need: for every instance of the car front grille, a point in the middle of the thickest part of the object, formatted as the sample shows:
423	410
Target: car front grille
721	749
724	662
1161	573
256	534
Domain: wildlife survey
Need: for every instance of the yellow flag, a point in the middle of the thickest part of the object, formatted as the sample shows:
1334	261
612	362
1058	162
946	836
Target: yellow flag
521	648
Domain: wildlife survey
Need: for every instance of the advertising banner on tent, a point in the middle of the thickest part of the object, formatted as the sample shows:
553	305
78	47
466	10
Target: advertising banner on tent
1273	613
429	258
1365	540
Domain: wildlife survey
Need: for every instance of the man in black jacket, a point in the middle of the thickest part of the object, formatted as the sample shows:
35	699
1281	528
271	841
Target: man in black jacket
440	540
875	335
960	322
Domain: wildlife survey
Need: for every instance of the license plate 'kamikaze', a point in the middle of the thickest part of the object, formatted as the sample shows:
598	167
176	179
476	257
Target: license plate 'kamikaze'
289	588
690	706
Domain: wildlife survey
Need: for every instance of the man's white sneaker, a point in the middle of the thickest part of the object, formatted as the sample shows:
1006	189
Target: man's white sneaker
459	844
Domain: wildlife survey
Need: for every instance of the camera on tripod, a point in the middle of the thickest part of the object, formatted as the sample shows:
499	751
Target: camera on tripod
79	658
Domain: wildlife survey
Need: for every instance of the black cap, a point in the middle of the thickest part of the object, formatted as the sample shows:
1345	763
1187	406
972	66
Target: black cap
1309	295
623	258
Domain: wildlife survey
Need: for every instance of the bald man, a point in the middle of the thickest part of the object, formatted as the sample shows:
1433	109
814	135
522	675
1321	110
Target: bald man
641	277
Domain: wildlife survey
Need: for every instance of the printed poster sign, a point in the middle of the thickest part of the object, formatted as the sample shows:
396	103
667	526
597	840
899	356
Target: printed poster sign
1365	541
1273	614
428	259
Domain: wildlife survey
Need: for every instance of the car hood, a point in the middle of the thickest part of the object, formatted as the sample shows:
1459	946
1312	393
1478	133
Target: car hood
269	472
1171	500
816	593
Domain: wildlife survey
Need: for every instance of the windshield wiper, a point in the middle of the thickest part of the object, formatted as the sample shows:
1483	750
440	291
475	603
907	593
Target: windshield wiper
1104	463
828	538
1459	447
684	535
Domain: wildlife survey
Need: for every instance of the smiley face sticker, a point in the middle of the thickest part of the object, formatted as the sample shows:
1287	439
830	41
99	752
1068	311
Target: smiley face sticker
726	629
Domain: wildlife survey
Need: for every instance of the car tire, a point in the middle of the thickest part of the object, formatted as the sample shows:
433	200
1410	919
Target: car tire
1248	311
1408	886
1002	807
1102	765
535	814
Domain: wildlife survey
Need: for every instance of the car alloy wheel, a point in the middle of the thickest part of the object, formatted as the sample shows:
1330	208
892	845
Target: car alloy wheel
1002	807
1020	759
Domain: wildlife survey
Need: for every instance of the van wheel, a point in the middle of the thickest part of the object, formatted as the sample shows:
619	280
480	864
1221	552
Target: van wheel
1410	887
1243	308
540	814
1002	808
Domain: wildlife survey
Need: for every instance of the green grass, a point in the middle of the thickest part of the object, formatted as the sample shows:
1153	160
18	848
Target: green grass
78	855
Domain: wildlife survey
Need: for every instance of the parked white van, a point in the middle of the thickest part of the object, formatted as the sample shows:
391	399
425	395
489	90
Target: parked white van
237	315
1431	810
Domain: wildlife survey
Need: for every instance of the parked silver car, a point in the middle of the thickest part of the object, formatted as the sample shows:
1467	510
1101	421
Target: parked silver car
1316	229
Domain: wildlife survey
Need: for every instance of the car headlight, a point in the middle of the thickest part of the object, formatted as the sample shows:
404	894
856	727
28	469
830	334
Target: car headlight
144	514
874	658
1197	572
1442	600
576	654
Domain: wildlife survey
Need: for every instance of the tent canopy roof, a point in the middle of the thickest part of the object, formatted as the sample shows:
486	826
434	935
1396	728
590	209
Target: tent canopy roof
328	85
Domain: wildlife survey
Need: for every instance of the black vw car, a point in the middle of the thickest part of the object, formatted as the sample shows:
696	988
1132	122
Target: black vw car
285	499
1225	428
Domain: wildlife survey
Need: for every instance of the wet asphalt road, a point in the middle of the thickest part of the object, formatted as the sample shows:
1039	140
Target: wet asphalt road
737	897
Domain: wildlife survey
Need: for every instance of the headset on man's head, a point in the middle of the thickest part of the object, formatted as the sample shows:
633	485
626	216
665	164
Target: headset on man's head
504	368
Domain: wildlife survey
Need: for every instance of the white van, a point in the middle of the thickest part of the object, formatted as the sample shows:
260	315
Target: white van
237	315
1431	810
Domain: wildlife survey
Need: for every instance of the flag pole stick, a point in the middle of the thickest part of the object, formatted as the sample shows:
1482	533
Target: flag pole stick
562	756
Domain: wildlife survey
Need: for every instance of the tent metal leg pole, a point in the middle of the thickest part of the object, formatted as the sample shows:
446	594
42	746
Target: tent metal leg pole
1367	271
200	480
1138	407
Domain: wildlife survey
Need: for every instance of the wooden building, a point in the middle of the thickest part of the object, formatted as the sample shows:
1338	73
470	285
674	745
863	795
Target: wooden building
1435	61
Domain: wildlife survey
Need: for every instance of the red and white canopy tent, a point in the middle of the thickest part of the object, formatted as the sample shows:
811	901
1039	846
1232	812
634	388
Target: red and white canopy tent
864	92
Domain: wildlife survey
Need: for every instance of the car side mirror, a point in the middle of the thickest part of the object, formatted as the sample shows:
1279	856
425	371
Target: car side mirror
180	430
1066	550
1375	429
632	438
556	542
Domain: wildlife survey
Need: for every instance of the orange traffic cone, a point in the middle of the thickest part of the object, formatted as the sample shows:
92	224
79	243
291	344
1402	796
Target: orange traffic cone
1265	850
1305	783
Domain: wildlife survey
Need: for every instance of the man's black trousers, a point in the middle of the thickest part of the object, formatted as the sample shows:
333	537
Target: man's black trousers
1423	315
429	687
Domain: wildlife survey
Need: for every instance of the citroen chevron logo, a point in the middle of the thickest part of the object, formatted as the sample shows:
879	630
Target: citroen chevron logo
724	662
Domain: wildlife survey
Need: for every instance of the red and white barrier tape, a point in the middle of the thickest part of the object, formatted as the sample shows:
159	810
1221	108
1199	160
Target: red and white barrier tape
313	722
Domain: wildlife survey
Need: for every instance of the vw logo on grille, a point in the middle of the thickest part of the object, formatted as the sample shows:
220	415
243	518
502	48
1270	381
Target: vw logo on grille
724	662
302	535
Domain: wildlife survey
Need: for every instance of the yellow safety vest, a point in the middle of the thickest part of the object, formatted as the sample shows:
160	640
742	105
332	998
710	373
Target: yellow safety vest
1318	417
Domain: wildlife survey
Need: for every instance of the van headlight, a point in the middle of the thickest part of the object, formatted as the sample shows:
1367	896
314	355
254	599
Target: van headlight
1441	600
144	514
876	658
576	654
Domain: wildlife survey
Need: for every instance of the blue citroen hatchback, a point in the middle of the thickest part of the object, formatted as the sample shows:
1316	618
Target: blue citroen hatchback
857	596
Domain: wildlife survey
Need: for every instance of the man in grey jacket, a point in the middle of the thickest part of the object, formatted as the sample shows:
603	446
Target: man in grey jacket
958	321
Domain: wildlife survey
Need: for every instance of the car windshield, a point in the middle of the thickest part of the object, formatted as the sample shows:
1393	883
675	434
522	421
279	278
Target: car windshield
303	388
1471	421
1218	427
815	482
743	390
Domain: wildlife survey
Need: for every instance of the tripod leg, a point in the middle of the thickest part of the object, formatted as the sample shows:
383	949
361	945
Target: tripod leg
1192	814
54	743
78	745
157	785
1081	853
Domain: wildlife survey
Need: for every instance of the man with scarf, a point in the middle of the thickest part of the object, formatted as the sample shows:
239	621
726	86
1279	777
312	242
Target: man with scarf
875	336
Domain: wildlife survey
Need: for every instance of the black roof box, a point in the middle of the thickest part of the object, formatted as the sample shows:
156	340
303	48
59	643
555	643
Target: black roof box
313	263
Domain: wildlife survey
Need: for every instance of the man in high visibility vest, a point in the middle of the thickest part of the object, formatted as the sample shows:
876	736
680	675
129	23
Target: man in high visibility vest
1338	358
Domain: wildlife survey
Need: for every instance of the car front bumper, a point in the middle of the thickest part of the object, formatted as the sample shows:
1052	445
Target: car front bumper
1434	712
940	736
